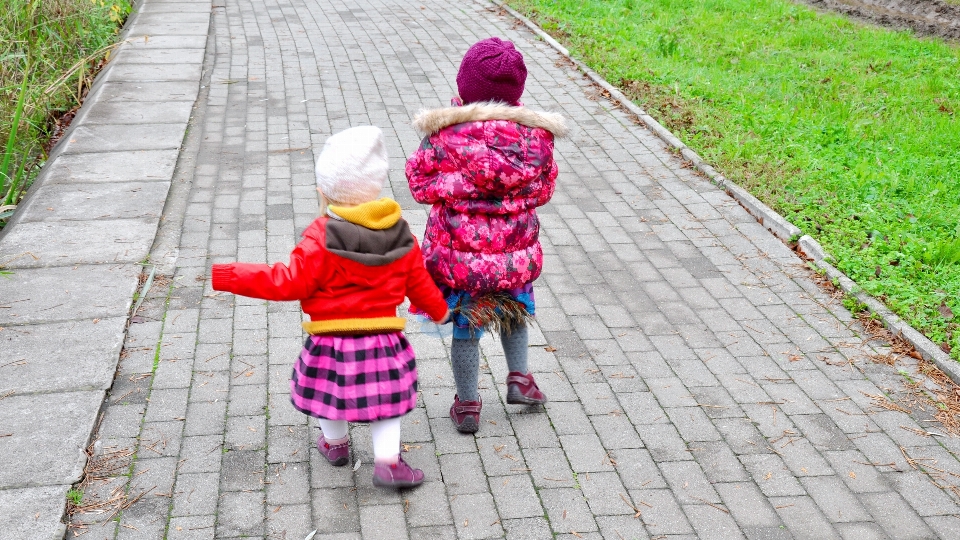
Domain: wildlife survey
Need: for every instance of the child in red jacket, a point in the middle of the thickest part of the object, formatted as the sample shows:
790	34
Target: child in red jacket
352	269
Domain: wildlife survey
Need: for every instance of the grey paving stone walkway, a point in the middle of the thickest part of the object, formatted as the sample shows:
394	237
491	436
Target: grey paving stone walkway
701	384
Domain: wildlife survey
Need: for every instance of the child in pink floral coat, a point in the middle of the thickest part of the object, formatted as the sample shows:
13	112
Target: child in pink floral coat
485	165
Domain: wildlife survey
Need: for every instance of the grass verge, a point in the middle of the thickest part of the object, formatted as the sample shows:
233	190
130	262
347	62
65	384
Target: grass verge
850	132
49	52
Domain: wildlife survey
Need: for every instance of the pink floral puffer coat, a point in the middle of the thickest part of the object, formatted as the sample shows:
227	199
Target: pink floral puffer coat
485	168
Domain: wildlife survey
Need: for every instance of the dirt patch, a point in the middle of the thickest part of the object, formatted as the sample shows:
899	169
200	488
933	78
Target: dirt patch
926	17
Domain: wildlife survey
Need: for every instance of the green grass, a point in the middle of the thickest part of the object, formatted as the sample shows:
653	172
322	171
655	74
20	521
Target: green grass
852	133
75	496
49	52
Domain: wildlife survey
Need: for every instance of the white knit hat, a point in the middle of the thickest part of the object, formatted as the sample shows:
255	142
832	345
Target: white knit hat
352	167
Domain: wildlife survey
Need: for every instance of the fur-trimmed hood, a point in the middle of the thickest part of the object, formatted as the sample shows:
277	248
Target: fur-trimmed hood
428	122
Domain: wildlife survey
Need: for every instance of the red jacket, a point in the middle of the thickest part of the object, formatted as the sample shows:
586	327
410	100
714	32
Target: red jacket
349	275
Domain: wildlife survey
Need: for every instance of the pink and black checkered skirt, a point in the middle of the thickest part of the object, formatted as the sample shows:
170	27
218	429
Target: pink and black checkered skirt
355	378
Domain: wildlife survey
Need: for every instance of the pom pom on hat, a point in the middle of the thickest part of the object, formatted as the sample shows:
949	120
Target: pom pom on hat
352	167
492	70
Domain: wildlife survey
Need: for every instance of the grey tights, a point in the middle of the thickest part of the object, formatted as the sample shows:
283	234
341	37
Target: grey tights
465	356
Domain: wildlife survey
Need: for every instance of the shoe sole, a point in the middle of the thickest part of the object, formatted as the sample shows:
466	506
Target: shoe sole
340	462
395	485
469	425
514	397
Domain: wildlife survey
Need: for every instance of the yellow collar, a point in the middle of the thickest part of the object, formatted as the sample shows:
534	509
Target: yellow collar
380	214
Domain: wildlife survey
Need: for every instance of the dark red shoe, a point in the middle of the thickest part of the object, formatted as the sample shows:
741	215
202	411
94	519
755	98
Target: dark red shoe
522	390
465	415
399	475
337	454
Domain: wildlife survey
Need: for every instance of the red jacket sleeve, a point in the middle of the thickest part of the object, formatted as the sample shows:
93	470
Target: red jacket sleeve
421	290
272	282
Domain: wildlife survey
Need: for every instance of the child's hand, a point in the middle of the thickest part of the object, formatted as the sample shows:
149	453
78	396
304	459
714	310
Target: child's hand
446	318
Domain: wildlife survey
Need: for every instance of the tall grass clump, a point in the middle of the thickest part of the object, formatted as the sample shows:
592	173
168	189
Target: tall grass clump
851	132
49	52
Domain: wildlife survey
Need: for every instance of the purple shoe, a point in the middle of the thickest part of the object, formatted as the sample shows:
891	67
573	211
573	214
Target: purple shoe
465	415
398	475
523	390
337	454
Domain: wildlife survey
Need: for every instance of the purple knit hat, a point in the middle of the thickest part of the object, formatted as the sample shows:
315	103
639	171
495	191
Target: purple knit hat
492	70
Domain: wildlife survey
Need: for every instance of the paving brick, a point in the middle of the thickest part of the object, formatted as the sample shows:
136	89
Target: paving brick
439	532
718	462
428	506
517	496
195	494
771	475
802	518
200	454
585	453
476	517
944	527
621	527
837	502
616	431
605	494
693	424
567	510
662	515
709	522
857	472
501	456
192	528
748	506
568	418
822	432
527	528
289	521
288	484
861	531
895	515
329	502
462	473
549	468
241	514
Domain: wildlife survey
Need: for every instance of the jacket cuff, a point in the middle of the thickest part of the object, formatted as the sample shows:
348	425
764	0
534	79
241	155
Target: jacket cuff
222	274
439	314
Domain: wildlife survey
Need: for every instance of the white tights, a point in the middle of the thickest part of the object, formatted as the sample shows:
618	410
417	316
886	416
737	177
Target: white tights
386	435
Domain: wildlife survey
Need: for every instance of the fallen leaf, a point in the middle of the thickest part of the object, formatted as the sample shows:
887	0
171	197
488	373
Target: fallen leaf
550	349
853	475
945	311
